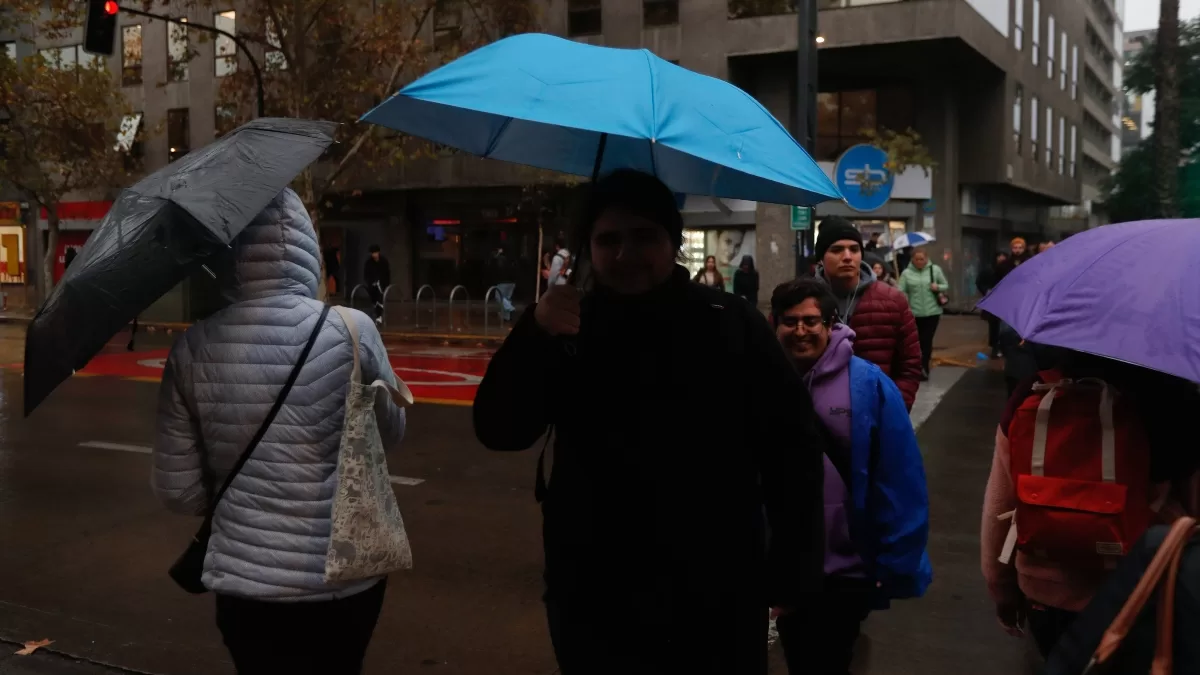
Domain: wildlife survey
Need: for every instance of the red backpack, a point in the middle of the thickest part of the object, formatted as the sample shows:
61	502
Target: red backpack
1081	467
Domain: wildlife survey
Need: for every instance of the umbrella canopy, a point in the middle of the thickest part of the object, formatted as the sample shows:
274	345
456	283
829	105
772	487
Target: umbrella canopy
912	239
157	233
1126	292
562	105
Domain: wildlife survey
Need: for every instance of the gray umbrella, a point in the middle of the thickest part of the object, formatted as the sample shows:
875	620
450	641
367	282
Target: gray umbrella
157	233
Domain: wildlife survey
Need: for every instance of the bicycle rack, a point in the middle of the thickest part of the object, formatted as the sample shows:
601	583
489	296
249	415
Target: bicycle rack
383	311
450	306
486	297
363	287
417	306
354	291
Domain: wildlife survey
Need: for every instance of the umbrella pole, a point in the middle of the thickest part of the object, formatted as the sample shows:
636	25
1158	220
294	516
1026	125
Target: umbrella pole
599	157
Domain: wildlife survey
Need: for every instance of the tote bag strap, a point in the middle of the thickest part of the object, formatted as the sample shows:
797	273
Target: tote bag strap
348	319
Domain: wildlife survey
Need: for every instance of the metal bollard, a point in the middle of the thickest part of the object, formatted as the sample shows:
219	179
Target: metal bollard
417	306
450	306
486	297
383	312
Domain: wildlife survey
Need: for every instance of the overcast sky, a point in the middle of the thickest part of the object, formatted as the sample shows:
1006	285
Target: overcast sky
1143	14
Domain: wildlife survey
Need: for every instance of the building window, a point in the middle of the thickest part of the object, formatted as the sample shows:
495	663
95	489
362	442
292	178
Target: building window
1049	135
447	23
1074	71
583	18
274	57
1016	120
1033	38
1050	46
9	50
130	142
660	12
1072	151
131	55
177	52
224	48
224	120
1033	127
1062	134
61	58
841	118
179	133
1062	63
1018	24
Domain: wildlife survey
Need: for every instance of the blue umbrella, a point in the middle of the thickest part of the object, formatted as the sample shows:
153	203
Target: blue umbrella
912	239
566	106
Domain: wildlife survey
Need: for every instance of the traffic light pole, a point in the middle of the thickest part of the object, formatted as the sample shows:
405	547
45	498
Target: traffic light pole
806	104
217	31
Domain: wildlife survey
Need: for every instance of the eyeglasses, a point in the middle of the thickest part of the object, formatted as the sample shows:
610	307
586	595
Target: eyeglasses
810	322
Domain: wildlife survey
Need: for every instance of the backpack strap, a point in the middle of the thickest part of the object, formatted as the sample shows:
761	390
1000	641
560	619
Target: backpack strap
1108	442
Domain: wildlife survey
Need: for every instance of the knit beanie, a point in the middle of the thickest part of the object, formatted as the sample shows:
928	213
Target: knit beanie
834	230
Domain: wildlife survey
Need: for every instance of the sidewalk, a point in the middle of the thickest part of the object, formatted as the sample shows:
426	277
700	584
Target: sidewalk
47	662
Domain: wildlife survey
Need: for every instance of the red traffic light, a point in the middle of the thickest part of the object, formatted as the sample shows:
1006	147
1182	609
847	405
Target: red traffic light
111	7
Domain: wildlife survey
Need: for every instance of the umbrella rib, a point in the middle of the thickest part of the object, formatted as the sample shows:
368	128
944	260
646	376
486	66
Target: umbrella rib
653	111
496	137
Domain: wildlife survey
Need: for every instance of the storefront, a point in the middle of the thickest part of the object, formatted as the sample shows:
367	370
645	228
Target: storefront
12	244
721	228
76	221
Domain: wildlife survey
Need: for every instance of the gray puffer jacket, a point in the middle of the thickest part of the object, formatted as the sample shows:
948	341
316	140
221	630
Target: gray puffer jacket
271	529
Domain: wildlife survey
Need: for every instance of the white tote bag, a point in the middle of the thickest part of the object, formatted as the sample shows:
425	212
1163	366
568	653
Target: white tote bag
367	537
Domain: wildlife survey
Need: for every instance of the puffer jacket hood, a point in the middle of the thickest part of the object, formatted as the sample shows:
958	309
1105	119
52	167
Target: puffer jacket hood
277	254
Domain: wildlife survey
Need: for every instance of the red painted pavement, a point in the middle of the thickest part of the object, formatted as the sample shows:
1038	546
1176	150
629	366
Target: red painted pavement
449	375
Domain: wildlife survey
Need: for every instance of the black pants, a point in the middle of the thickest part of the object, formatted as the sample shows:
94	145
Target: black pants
300	638
926	328
1048	624
819	639
377	298
993	323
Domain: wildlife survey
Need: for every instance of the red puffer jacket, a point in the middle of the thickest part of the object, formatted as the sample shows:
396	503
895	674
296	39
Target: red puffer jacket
886	335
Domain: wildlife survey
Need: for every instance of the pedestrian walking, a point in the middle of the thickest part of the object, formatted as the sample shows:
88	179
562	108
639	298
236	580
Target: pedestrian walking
657	552
879	267
1017	254
987	279
560	263
709	276
1020	358
877	313
745	281
925	285
876	510
873	244
266	559
333	269
1045	246
377	275
1076	481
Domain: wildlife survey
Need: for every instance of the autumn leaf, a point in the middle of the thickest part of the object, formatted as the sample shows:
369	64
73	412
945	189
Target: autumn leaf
31	647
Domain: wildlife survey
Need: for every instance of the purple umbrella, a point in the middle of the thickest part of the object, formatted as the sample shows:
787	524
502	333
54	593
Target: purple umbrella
1129	292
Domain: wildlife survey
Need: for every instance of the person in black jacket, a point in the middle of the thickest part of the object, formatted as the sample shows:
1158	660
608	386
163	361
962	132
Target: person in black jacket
984	283
745	281
377	274
656	547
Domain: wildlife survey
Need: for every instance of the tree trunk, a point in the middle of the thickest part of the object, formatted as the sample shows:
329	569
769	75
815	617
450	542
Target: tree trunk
51	255
1166	117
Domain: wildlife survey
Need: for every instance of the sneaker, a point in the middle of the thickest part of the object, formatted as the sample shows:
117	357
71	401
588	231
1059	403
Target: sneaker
379	321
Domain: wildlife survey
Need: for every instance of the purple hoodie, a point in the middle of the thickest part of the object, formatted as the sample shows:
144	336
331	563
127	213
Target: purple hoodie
829	384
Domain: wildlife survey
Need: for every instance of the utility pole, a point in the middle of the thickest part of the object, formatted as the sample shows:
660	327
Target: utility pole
806	104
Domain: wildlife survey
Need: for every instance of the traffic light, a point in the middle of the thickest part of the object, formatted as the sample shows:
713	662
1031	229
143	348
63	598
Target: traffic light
100	31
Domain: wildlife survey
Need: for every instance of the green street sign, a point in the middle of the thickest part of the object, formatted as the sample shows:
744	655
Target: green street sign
801	218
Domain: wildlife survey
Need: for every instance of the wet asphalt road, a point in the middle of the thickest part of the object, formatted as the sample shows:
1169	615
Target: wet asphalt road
86	547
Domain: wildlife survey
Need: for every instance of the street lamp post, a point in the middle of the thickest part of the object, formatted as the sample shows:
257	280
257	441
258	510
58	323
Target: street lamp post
806	104
217	31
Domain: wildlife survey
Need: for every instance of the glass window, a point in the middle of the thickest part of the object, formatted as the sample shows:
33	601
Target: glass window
1049	135
131	55
1018	24
224	48
130	139
1033	126
447	23
1033	38
275	58
1062	63
225	120
583	18
179	133
61	58
1072	151
660	12
1062	129
9	50
1074	70
177	52
841	118
1050	46
1016	119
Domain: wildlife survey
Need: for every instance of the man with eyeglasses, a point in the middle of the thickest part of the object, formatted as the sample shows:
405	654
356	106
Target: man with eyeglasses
876	504
878	313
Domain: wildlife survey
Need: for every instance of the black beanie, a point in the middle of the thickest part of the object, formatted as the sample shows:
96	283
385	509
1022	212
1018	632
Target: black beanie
833	230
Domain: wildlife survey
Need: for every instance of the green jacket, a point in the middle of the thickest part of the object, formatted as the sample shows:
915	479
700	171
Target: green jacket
915	284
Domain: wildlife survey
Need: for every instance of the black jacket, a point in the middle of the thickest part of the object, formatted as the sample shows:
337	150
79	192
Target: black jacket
377	271
679	423
745	285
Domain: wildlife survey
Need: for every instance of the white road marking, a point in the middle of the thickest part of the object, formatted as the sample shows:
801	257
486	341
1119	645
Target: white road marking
143	450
